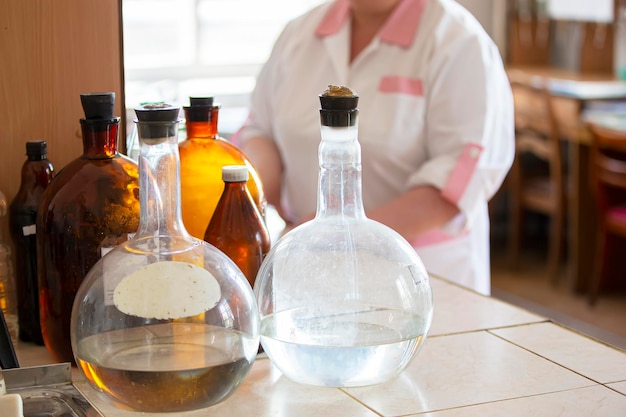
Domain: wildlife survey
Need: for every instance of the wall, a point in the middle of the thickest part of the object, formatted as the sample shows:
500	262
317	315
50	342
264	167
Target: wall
52	51
492	15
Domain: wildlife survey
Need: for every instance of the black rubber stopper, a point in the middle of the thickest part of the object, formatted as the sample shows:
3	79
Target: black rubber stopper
98	106
200	109
157	120
339	111
201	101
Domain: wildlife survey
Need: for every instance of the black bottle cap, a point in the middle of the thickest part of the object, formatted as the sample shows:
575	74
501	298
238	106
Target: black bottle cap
157	120
98	106
339	107
36	150
200	109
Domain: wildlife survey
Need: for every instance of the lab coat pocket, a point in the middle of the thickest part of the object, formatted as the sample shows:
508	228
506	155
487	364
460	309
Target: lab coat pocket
400	84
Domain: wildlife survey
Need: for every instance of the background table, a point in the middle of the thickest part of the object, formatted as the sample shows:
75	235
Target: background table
572	95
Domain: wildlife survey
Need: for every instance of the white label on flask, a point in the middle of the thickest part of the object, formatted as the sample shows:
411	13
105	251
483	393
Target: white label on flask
31	229
167	290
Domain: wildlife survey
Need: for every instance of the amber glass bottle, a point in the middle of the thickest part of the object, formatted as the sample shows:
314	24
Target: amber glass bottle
8	297
237	227
37	172
90	206
202	156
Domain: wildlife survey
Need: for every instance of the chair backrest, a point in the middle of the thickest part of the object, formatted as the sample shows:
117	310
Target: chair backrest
608	172
533	110
536	126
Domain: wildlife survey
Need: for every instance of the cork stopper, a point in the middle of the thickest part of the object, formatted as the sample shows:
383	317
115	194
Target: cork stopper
339	106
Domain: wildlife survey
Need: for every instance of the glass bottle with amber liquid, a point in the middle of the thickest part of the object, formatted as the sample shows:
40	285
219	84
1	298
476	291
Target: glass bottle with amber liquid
202	156
90	206
164	322
8	298
37	173
237	227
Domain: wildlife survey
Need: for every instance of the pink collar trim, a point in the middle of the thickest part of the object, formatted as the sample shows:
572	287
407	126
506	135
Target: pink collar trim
399	29
335	18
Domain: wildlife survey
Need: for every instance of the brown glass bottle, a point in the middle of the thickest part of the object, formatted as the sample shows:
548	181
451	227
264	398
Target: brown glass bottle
37	173
202	156
237	227
90	206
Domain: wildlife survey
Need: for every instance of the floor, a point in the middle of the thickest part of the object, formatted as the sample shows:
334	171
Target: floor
529	287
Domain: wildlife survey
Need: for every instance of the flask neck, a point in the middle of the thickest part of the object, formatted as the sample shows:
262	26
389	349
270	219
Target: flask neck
235	186
100	138
340	192
159	183
202	123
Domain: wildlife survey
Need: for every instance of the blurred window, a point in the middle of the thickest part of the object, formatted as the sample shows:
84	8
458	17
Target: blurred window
586	10
174	49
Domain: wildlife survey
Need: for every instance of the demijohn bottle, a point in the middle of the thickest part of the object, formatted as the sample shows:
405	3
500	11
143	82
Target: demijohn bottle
37	173
202	156
344	300
8	296
164	322
237	227
91	205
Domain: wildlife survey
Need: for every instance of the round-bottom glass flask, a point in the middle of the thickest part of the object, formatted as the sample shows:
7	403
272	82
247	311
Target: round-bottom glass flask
344	300
164	322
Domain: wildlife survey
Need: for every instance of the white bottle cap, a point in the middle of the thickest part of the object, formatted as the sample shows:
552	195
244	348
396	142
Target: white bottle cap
11	405
234	173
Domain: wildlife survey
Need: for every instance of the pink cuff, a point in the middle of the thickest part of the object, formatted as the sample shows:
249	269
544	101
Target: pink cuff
434	237
462	173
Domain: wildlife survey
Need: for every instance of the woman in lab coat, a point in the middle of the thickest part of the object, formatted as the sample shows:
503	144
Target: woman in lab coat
435	122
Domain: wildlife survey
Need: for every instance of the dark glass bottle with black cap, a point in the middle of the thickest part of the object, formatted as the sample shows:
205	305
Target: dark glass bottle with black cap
202	155
165	322
37	173
344	300
91	205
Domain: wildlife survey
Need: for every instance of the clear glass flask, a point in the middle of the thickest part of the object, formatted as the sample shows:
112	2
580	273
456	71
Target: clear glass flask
164	322
344	300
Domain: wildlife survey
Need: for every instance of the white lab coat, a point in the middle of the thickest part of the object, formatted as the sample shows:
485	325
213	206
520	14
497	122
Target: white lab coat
435	108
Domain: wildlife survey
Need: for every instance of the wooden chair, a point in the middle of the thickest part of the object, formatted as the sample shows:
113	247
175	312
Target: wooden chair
608	175
542	191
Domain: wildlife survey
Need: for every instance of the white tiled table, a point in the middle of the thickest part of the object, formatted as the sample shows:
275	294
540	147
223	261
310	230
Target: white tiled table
482	358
